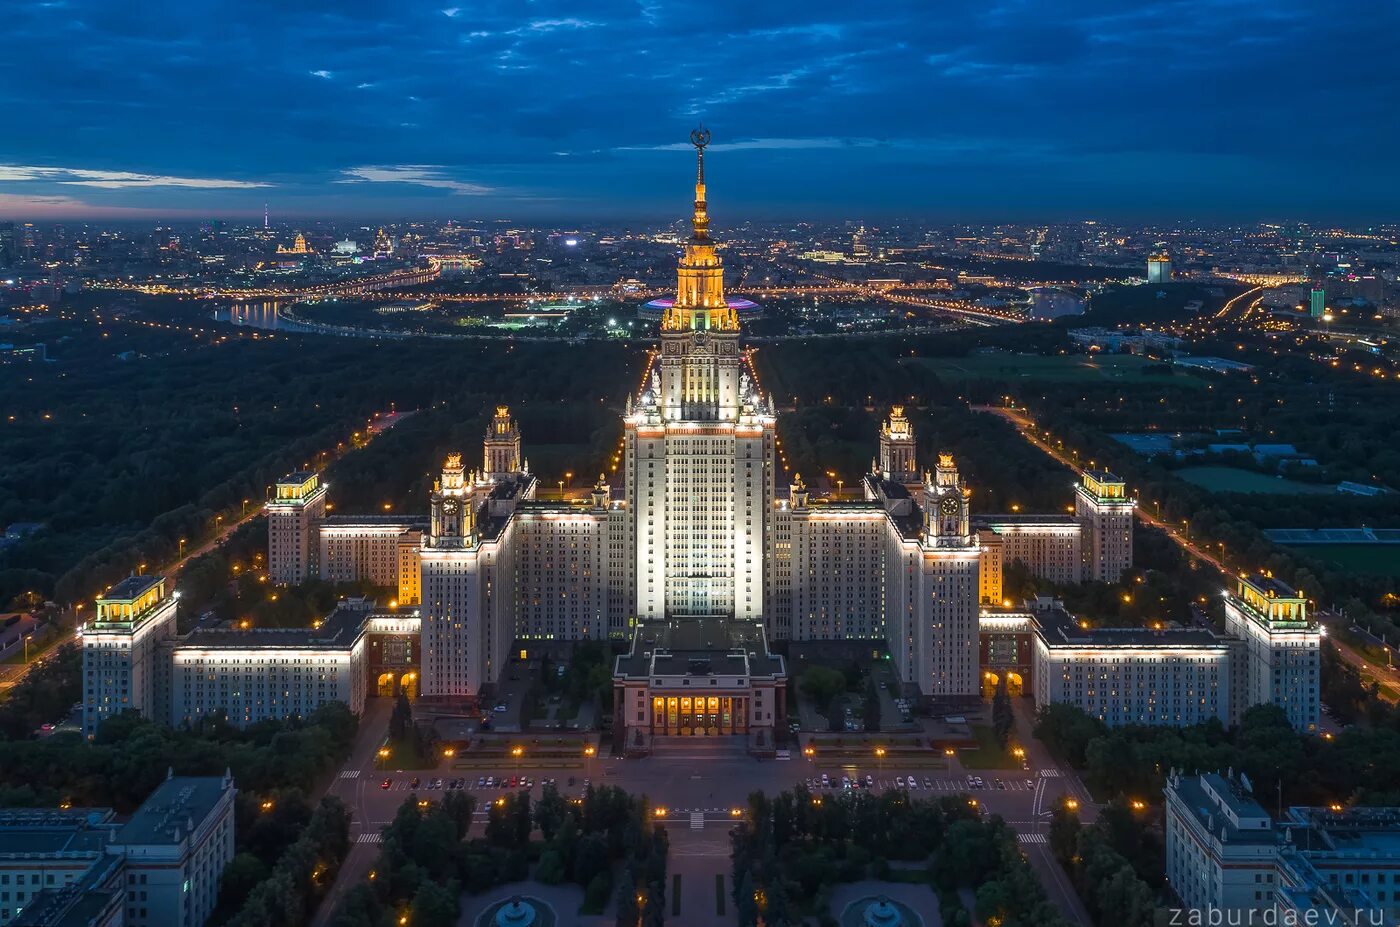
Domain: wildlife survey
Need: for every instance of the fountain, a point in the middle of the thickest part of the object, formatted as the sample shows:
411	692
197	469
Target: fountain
882	913
516	913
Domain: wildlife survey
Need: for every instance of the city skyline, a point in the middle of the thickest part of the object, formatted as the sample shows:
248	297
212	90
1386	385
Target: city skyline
1211	111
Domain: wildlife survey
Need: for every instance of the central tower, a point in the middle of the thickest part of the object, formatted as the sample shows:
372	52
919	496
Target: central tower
699	448
700	362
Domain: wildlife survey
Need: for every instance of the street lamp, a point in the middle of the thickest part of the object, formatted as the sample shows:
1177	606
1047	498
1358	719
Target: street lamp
182	548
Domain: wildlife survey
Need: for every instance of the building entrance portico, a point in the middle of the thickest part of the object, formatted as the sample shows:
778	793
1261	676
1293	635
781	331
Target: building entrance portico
698	715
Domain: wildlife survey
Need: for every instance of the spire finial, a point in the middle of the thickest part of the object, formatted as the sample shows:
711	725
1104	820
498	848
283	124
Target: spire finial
700	137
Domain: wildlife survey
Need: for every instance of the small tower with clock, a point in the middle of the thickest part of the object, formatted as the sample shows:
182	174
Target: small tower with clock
451	520
946	514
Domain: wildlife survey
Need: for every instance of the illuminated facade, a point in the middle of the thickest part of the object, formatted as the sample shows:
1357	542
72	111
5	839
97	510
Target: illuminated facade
122	666
292	514
1175	677
381	549
133	659
1104	509
1278	659
1159	268
896	462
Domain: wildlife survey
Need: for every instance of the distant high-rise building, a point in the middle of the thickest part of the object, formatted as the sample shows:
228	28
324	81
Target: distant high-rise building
1159	268
1277	661
1317	302
291	541
1102	506
122	668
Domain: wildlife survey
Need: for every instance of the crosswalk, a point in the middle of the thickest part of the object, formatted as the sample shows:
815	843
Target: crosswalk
1050	773
697	820
349	774
375	837
1032	838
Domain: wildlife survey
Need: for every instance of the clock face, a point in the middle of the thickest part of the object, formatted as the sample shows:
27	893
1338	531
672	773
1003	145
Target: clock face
450	506
949	505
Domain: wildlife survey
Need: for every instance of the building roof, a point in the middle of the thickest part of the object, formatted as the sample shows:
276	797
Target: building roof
700	646
338	631
177	806
50	831
131	587
1058	628
1217	803
407	522
992	521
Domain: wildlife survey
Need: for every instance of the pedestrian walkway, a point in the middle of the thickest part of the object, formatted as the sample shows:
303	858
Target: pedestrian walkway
349	774
697	820
375	837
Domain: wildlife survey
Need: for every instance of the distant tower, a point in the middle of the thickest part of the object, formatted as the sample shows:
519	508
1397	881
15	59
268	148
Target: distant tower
1159	268
1102	507
451	506
897	448
502	446
1317	301
946	519
292	516
122	668
264	215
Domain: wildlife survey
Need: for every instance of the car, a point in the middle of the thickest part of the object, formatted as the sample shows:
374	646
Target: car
1001	785
490	782
913	783
527	783
500	706
928	782
586	781
435	784
899	782
514	780
481	782
387	784
826	781
869	781
414	783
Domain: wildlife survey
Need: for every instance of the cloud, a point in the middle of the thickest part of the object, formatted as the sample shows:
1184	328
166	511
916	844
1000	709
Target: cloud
117	180
323	74
551	25
451	12
421	175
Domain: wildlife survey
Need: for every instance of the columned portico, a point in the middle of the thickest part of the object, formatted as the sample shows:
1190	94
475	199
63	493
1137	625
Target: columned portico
697	677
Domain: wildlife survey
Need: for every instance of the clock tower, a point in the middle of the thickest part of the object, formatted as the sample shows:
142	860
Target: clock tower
945	516
451	502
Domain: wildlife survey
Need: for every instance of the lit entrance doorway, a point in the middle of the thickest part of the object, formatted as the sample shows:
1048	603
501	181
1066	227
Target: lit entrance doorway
390	684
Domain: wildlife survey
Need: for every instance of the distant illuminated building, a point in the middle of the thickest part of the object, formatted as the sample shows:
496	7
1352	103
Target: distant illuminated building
299	246
1278	662
122	669
1159	268
1317	302
300	501
346	246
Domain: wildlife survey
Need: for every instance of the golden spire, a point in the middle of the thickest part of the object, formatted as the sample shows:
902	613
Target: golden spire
700	302
701	221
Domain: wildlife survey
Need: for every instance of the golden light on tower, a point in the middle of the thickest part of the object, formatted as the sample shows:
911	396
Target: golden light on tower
700	302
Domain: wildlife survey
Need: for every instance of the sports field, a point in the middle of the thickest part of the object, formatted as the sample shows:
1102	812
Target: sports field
1064	368
1380	559
1230	479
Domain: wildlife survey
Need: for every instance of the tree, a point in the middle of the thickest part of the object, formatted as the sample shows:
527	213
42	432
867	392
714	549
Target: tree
835	714
1002	718
436	905
550	811
872	705
821	683
401	721
1064	834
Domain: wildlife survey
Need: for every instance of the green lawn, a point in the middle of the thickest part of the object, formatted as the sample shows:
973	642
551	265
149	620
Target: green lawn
1231	479
1381	559
988	753
1067	368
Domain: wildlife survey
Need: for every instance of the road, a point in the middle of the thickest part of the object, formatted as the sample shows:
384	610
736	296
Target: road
1180	535
11	674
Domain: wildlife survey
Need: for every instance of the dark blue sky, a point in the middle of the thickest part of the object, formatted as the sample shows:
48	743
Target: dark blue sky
950	110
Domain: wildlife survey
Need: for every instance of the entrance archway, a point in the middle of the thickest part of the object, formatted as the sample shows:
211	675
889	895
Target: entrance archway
409	684
989	684
1014	686
387	686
